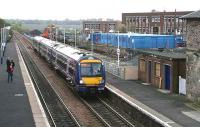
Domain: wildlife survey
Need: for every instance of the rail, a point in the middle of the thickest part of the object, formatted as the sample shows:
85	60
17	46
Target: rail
59	114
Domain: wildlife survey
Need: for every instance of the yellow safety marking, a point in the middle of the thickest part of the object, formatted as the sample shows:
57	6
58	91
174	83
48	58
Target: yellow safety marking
90	81
90	61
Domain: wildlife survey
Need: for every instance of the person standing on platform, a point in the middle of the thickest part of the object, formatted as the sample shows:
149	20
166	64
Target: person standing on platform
12	62
8	62
10	70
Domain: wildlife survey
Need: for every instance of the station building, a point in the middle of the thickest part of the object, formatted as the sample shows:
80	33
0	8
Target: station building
162	68
155	22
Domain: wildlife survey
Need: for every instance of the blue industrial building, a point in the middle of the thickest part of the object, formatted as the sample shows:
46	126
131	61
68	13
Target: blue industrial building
135	40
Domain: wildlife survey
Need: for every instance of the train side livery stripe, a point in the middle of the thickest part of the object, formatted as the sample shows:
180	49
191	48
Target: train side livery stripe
92	81
90	61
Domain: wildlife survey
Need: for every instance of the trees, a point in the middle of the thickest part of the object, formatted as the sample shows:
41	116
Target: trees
121	28
19	27
2	23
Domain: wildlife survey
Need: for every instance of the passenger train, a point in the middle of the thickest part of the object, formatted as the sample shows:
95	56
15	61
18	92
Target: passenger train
86	72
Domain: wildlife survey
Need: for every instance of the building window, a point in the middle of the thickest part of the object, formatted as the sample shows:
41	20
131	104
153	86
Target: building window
155	18
142	65
157	69
169	19
144	20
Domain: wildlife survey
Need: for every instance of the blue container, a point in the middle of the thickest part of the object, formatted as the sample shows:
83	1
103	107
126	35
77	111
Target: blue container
137	40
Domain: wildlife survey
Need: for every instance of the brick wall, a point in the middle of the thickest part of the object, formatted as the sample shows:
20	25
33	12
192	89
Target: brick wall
193	61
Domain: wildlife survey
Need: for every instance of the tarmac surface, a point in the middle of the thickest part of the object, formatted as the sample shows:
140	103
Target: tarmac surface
20	106
172	106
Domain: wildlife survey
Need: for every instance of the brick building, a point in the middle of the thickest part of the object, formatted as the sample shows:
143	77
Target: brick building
193	56
99	26
154	22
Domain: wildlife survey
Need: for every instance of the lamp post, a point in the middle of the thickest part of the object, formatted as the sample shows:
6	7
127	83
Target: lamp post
4	41
92	42
118	50
1	45
75	38
91	34
64	36
56	34
133	41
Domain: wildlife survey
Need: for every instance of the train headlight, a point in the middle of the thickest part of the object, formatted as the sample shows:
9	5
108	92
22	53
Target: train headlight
81	81
102	81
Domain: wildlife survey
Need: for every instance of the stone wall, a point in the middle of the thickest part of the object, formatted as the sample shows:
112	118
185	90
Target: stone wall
193	61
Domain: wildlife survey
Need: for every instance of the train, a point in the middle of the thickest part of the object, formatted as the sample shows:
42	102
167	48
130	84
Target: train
85	71
136	40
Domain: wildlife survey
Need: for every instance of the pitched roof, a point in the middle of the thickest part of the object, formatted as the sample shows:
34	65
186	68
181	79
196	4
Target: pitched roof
193	15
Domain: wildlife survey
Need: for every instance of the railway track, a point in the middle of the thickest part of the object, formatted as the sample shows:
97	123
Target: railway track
58	114
105	113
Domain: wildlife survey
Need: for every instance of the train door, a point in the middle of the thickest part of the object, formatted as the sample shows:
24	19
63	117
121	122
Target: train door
167	75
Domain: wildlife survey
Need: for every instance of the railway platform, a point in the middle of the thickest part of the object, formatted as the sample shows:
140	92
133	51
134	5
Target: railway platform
20	105
170	109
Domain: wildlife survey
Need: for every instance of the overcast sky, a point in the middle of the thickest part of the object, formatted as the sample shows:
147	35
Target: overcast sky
87	9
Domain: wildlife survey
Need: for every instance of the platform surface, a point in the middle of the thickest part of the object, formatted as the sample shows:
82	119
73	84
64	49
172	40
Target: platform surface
171	106
19	104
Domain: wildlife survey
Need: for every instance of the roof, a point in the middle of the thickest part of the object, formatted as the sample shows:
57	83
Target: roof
136	34
61	48
192	15
165	53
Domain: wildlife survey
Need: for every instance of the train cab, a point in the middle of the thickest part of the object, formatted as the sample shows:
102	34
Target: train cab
91	74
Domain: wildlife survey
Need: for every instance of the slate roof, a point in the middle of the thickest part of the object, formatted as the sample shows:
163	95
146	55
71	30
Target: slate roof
193	15
166	53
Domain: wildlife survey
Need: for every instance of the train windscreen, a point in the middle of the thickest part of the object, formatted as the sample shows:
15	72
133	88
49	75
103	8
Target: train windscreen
91	69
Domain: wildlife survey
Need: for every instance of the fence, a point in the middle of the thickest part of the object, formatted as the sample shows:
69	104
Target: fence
114	69
126	72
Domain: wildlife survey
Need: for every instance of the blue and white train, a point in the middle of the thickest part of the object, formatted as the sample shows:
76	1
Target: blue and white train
86	72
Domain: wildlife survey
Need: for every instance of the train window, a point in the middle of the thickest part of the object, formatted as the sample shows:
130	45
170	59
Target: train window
85	65
61	64
71	71
91	69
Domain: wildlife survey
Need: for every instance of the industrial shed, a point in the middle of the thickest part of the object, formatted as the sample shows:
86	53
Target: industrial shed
162	68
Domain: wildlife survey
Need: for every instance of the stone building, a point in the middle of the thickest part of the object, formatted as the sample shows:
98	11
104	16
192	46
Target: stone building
193	55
